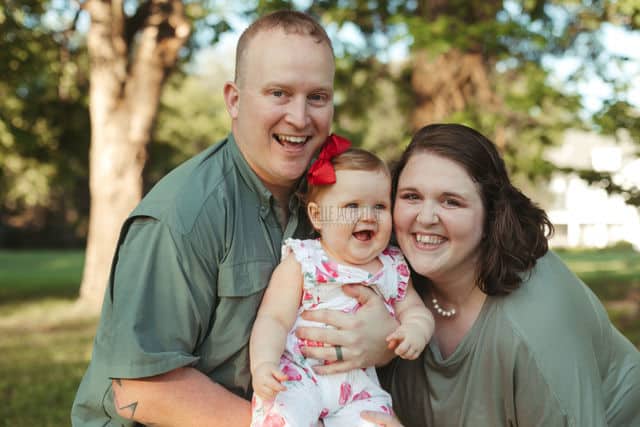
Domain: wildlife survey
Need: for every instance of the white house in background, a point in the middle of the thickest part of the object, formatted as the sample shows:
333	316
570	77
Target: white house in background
586	216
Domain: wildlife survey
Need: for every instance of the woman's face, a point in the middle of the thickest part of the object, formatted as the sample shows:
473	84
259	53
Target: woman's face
438	218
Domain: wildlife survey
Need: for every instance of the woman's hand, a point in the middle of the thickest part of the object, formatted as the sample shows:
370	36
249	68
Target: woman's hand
361	334
380	418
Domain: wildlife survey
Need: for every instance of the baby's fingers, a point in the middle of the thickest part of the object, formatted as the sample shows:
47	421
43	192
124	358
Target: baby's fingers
397	335
407	351
279	375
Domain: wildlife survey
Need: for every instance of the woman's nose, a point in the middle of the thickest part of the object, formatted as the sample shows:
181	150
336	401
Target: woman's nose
428	214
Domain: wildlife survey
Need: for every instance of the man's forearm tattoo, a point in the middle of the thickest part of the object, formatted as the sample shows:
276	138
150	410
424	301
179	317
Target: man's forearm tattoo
130	407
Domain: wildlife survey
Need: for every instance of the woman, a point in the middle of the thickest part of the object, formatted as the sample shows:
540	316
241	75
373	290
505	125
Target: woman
519	340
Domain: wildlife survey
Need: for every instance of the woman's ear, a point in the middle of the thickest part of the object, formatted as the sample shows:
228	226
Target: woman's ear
314	214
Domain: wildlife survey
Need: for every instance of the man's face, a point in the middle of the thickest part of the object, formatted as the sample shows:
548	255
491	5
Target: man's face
282	105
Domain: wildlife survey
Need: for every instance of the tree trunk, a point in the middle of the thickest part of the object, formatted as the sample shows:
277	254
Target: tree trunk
457	79
448	83
126	84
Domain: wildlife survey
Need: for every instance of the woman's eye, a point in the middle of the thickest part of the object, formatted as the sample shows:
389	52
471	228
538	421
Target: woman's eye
451	203
277	93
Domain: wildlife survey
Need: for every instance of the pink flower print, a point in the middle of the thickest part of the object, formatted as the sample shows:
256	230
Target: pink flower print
345	393
324	413
392	251
403	269
291	373
306	296
311	343
361	396
274	420
320	276
331	268
386	409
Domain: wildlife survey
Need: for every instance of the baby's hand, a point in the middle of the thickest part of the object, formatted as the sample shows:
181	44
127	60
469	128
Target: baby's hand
408	341
267	378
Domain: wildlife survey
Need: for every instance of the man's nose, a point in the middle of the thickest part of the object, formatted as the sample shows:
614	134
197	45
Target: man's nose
297	113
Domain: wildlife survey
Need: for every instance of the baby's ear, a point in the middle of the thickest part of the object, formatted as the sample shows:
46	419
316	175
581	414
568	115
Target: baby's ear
313	211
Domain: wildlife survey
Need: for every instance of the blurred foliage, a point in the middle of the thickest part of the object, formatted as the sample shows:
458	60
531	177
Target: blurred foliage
191	117
44	120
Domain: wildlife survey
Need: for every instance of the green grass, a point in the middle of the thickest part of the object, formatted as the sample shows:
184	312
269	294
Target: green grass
28	275
45	339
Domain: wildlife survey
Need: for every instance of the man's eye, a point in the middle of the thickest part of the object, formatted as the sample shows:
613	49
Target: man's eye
277	93
317	97
451	203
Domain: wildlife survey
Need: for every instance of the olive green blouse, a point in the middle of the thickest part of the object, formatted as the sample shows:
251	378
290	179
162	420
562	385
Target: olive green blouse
545	355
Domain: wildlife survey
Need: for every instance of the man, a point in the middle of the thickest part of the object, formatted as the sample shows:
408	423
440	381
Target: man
194	257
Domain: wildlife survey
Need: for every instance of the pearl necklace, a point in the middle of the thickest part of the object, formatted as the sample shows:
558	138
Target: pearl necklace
441	311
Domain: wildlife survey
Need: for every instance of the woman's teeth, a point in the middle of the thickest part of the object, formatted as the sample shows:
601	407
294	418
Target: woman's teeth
429	239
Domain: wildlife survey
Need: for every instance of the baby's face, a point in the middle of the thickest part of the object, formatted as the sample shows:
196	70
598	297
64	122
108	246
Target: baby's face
353	216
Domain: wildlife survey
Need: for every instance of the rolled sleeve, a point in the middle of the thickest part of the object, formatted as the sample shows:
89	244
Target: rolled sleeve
157	282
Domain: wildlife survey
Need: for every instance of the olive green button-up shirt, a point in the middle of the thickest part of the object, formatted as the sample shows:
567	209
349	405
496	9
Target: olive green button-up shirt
190	270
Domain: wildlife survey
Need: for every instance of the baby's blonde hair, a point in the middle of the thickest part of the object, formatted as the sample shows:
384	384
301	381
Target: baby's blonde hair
352	159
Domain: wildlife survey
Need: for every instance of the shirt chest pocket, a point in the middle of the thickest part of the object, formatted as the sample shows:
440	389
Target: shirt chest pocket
240	290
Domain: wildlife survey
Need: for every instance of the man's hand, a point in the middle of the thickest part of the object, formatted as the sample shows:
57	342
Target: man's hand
361	334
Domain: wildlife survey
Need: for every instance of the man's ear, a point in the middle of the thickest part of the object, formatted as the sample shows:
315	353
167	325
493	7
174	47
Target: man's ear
314	214
231	98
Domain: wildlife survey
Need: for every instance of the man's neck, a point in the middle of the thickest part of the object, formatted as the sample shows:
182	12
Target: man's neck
282	196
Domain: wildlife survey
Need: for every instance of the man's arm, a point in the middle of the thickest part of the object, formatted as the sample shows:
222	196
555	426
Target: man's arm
361	334
183	397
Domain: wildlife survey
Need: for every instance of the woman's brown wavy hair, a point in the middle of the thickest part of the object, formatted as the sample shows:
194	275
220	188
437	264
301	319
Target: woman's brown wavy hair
515	229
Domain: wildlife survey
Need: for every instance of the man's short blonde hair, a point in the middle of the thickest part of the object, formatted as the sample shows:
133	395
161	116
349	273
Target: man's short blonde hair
290	21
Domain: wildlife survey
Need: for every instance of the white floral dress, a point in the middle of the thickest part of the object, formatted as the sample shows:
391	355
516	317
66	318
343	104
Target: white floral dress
337	399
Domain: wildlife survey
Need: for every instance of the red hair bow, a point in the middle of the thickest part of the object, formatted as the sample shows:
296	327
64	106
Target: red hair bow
321	171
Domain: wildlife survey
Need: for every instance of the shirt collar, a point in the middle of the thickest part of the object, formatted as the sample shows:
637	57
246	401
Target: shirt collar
255	184
249	176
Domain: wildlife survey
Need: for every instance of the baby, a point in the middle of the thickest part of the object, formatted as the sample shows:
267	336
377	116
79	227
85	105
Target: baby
349	204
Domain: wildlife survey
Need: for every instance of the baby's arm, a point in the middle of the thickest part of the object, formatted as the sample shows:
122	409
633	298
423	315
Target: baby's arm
416	325
275	319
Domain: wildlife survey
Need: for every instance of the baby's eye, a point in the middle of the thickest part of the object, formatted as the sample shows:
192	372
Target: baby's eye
380	206
409	196
351	206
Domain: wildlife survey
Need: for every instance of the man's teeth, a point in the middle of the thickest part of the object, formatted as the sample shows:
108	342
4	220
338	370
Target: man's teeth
430	240
292	139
